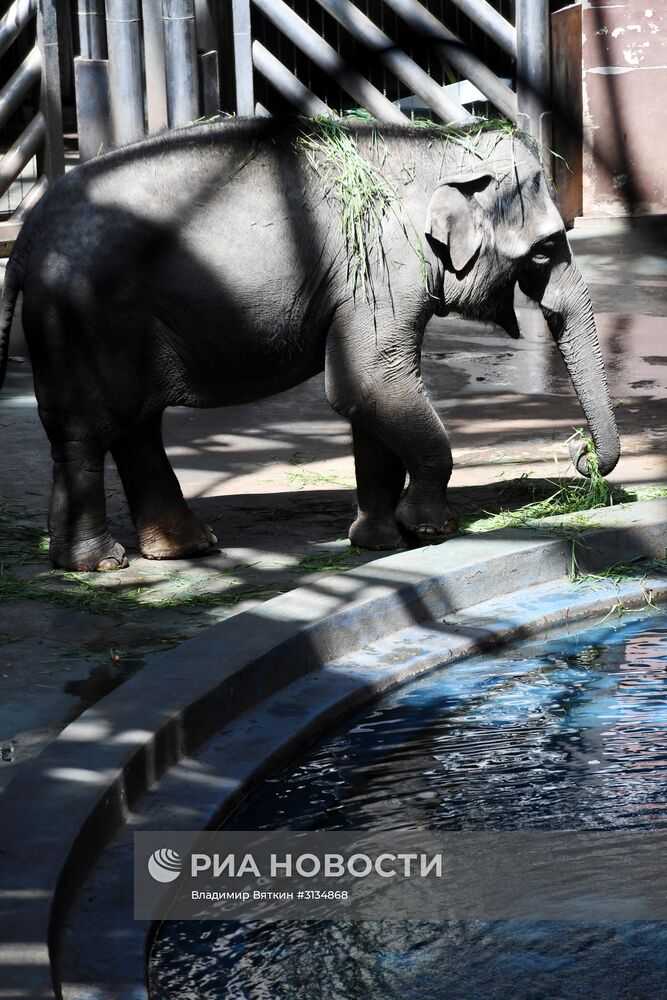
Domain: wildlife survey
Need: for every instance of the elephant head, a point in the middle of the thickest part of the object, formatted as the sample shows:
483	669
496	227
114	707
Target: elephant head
492	221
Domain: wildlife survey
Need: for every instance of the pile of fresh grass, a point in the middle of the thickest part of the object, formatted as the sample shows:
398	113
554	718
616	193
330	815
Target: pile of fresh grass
569	497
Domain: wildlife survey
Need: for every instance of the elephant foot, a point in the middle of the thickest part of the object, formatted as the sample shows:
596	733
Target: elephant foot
189	537
101	555
379	534
424	526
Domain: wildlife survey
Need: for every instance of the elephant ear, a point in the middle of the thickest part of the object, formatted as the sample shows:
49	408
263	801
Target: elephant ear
451	218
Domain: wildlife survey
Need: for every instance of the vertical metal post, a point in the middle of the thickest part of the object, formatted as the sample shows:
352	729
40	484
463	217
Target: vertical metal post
534	68
207	49
91	81
180	60
245	91
92	29
156	86
51	162
126	89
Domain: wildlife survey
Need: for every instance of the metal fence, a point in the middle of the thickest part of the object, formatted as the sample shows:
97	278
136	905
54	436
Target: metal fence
31	92
145	65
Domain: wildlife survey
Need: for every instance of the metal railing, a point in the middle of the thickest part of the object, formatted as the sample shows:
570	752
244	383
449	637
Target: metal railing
527	44
145	65
42	137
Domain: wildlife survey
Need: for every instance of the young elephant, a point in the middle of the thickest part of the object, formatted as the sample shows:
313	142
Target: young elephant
223	263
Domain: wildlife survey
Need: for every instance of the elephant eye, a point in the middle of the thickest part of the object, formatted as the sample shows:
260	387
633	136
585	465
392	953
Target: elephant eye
542	251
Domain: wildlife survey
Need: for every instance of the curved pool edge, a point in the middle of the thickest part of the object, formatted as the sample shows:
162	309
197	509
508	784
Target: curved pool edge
205	788
70	800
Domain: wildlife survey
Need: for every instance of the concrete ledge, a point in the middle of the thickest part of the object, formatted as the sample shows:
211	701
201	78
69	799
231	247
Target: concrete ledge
67	804
201	791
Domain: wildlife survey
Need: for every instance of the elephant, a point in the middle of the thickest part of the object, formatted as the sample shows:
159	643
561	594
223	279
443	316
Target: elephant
221	263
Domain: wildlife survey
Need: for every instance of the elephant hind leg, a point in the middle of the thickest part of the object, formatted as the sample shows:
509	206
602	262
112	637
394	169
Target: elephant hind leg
79	536
166	527
380	480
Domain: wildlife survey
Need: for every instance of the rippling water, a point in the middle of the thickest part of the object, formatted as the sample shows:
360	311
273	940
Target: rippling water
565	734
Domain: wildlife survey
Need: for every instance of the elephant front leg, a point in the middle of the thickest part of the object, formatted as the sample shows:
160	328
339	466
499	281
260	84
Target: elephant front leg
380	480
166	527
377	386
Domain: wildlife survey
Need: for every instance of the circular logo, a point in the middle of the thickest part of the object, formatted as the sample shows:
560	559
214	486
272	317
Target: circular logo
164	865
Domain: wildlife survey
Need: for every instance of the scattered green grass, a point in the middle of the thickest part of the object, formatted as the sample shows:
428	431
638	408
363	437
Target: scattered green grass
363	195
329	562
301	479
619	574
569	497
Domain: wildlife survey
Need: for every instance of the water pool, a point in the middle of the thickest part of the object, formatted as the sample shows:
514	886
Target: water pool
568	733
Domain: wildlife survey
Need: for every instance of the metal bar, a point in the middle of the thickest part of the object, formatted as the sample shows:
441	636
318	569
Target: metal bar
321	53
245	91
534	68
456	53
207	36
286	83
492	23
18	15
92	29
412	75
21	152
156	87
9	232
180	60
125	75
209	83
93	110
19	84
30	200
51	159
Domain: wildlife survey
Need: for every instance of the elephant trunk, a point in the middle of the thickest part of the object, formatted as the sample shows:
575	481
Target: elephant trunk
567	308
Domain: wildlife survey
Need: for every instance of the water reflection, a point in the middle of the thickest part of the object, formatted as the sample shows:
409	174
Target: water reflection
571	733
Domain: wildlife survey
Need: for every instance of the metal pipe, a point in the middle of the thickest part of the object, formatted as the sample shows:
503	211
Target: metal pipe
32	197
286	83
209	83
456	53
405	68
125	75
19	84
207	36
326	57
21	152
93	112
92	29
51	157
180	61
18	15
156	86
534	68
245	90
491	22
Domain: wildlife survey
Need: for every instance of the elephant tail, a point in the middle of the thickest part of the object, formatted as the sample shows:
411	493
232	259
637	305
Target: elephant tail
10	291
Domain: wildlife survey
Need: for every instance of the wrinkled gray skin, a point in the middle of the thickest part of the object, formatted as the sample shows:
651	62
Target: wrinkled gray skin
207	267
